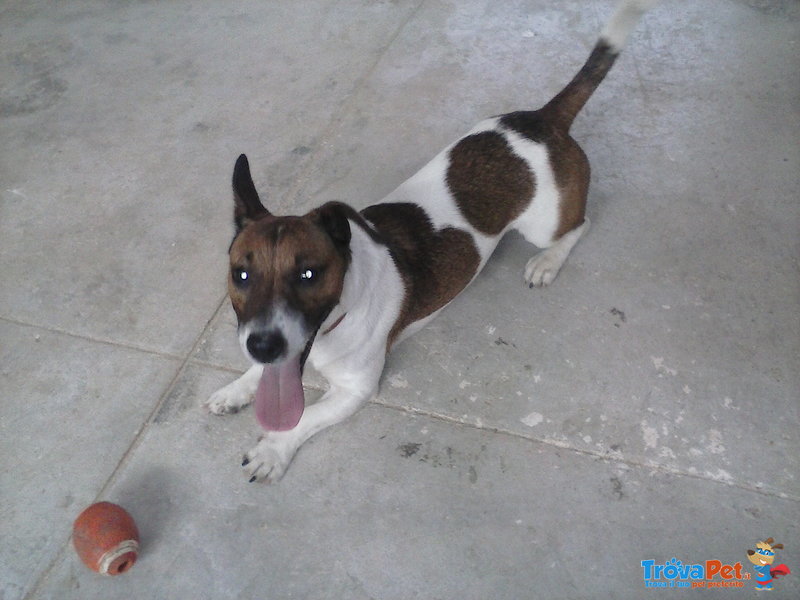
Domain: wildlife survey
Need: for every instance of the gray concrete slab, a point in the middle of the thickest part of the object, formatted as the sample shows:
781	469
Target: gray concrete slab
624	339
71	409
125	120
527	443
394	505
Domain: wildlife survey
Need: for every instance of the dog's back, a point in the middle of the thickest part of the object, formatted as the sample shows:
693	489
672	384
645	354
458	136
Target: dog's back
520	171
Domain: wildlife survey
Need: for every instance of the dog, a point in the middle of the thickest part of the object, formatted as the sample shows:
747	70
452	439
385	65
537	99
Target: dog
340	288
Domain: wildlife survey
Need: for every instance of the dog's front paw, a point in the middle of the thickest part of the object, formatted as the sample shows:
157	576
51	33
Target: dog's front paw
269	459
542	269
230	399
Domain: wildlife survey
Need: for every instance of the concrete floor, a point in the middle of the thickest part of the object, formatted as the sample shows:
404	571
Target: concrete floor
526	444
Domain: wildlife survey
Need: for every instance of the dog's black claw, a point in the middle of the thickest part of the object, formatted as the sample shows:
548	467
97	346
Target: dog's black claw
245	461
252	479
530	286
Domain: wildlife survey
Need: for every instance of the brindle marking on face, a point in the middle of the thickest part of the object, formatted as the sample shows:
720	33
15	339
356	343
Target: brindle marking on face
489	182
275	252
435	265
569	163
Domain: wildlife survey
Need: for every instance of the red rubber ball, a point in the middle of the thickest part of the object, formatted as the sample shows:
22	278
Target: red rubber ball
106	538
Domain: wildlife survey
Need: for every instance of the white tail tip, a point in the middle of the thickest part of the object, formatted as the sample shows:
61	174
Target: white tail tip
623	21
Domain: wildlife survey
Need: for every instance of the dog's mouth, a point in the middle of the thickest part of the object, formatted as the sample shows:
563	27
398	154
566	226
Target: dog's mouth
280	400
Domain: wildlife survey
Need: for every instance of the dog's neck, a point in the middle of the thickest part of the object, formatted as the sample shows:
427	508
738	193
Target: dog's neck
370	264
335	324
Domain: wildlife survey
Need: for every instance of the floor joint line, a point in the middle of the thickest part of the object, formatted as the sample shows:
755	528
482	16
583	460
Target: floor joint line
134	445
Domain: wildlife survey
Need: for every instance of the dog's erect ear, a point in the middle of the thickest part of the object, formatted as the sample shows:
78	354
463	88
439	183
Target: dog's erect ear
332	217
247	206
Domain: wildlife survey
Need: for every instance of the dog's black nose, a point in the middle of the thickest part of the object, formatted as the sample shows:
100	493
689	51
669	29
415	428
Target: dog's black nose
266	347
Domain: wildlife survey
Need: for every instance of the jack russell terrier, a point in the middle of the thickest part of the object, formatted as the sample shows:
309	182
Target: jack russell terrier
340	288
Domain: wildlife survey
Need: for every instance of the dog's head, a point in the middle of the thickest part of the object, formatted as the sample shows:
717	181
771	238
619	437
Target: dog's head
286	275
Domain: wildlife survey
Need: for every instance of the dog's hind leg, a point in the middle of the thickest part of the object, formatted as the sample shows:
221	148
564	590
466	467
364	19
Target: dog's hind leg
555	219
542	269
235	396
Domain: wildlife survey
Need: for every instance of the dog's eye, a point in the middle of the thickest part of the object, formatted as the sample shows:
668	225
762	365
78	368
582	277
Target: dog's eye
308	275
240	277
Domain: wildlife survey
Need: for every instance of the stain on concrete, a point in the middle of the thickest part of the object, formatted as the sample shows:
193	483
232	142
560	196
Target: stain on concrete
31	84
754	512
775	8
533	419
658	363
620	316
408	450
616	488
31	96
649	435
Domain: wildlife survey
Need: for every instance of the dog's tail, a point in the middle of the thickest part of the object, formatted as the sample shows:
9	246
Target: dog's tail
566	105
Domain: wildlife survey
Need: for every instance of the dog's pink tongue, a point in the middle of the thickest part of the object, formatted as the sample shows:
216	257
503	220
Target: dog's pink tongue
279	400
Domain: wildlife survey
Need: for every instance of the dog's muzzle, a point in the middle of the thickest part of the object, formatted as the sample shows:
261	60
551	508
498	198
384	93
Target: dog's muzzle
266	347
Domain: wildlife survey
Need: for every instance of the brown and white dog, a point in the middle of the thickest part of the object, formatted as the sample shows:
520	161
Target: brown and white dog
340	287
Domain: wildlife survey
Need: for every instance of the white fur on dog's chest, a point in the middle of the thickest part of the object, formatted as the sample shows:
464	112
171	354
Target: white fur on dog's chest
373	294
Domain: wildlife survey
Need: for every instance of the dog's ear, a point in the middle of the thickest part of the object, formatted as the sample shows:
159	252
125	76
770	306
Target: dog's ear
246	204
332	217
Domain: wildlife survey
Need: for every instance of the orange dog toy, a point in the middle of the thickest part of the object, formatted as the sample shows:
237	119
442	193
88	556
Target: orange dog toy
106	538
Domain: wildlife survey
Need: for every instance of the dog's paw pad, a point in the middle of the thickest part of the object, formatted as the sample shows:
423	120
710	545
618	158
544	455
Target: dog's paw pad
268	460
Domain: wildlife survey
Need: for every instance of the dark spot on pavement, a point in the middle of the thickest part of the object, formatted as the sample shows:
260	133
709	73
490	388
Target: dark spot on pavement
616	488
408	450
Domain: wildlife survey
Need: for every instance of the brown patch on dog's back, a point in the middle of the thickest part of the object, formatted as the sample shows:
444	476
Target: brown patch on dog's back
489	182
569	163
435	265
